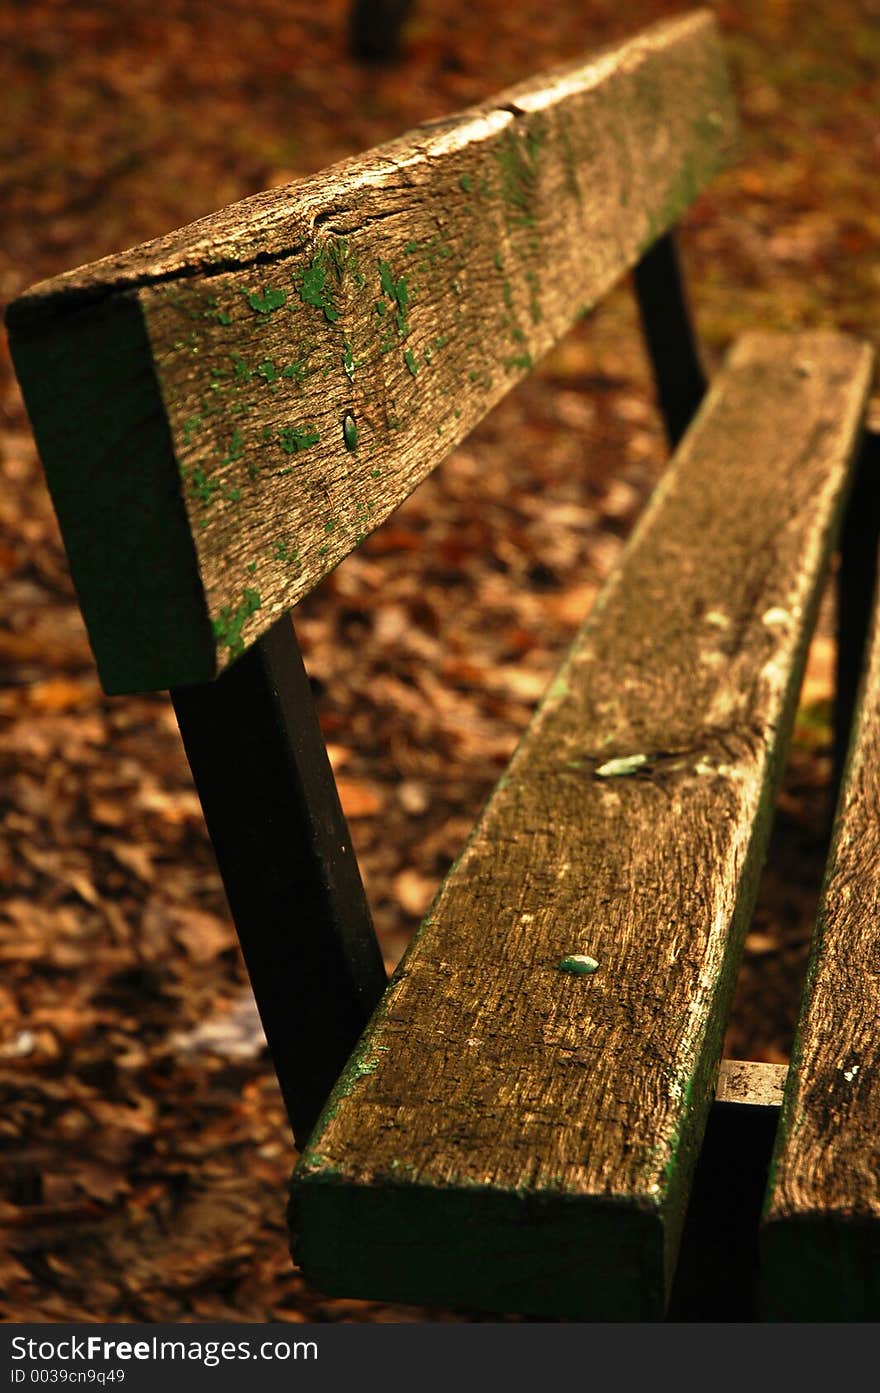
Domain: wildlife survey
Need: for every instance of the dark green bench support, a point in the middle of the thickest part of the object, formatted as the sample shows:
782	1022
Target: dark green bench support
223	415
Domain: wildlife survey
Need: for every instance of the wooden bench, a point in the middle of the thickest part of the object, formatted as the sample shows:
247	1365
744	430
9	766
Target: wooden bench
223	415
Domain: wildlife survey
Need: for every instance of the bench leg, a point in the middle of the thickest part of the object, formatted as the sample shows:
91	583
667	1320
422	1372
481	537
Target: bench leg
291	878
669	335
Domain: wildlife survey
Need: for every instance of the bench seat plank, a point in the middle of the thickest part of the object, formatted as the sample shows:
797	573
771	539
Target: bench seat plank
822	1222
225	413
513	1136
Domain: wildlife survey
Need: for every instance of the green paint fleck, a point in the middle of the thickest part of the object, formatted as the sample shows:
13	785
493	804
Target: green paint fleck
292	439
381	308
410	359
228	625
519	360
240	370
315	289
297	370
411	248
386	279
579	964
268	371
266	301
466	183
399	292
534	285
517	158
236	447
251	567
347	360
190	426
200	486
350	432
498	261
375	473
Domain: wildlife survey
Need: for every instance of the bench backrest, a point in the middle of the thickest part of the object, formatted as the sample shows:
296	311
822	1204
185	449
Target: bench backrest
224	413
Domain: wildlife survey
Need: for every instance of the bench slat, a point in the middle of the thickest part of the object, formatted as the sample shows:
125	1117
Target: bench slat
223	414
516	1137
822	1236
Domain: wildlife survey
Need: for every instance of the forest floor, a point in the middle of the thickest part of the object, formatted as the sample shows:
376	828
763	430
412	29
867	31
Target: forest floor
144	1153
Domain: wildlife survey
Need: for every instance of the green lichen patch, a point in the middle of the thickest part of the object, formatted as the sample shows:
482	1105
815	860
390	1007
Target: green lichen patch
228	625
293	439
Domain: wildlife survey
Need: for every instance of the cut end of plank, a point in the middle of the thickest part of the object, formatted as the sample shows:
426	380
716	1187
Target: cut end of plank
479	1249
821	1267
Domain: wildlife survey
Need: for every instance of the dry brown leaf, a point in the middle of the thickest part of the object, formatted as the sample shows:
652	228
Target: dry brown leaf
358	799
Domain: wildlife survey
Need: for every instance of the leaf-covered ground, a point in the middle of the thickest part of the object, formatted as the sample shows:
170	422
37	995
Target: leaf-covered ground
143	1150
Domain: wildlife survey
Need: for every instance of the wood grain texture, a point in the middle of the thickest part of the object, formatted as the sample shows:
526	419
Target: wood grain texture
515	1137
302	360
822	1236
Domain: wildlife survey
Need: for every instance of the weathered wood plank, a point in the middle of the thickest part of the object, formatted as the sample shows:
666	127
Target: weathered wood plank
822	1220
225	413
513	1136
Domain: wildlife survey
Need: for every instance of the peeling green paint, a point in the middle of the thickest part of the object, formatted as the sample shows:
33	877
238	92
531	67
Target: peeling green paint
399	293
199	485
517	158
228	625
190	426
296	370
315	287
266	301
410	360
293	439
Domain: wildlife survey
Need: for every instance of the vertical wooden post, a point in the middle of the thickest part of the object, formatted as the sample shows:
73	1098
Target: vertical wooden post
669	335
270	802
856	589
717	1274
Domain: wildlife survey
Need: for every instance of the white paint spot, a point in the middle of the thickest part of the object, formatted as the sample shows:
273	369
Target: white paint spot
775	617
850	1073
717	619
619	768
